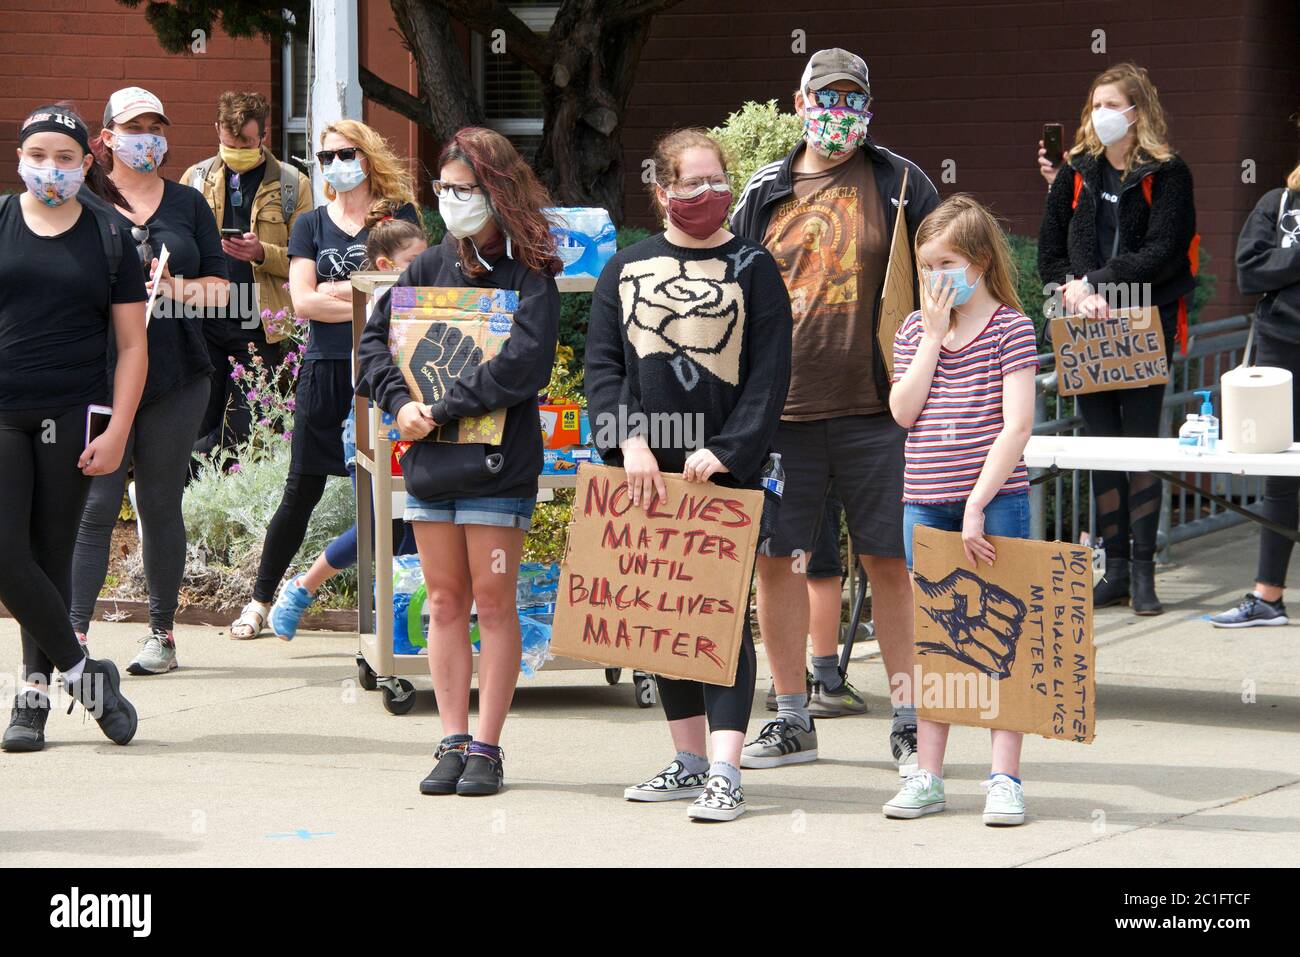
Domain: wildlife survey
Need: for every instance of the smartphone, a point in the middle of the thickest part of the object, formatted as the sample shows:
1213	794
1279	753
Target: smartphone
231	233
1053	136
97	417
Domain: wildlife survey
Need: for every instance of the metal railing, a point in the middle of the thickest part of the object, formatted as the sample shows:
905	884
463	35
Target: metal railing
1062	507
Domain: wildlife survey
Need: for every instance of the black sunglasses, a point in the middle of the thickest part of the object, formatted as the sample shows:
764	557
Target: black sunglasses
325	157
141	236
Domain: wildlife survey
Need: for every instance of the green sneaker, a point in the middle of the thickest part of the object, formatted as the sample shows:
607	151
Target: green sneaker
845	699
921	794
1005	804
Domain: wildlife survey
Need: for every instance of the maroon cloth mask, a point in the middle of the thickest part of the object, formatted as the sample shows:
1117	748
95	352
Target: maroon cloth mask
699	216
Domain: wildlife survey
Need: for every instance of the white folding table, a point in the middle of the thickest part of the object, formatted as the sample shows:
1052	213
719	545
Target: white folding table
1162	458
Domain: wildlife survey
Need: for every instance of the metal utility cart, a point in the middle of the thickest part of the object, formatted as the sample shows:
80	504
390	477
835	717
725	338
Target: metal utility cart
377	665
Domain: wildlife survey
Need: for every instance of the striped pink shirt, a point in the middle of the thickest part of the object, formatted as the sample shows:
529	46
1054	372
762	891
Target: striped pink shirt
949	442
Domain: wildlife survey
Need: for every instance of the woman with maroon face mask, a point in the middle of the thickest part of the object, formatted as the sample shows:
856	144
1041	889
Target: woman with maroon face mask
695	323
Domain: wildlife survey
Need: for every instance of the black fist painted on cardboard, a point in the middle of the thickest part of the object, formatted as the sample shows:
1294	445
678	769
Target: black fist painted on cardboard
442	357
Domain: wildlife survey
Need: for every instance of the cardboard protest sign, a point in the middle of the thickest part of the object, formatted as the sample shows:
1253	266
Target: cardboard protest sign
1124	350
897	291
1007	646
664	589
436	334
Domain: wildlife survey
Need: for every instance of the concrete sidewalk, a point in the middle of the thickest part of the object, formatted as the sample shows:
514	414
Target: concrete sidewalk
265	753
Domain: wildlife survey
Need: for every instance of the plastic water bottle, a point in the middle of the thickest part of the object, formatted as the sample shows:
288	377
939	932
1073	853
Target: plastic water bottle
774	475
1189	435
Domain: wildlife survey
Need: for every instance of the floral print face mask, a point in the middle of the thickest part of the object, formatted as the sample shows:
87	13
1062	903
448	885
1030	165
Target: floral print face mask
51	185
143	152
835	131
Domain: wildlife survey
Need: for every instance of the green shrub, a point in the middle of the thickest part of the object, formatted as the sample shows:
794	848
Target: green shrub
753	136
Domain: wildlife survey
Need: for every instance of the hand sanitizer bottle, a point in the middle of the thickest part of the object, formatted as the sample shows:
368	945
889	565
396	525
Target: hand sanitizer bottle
1209	438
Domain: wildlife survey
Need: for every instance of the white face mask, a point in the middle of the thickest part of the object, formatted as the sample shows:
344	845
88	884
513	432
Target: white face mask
464	217
1110	125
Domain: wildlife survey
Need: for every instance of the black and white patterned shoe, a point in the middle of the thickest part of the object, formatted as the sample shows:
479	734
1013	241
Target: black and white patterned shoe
670	784
719	802
781	743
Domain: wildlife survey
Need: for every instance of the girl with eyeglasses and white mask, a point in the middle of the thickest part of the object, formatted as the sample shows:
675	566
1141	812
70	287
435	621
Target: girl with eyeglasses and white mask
364	179
193	281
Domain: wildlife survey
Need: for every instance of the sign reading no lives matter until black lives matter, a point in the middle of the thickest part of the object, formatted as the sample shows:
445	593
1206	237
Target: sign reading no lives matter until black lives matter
1124	350
663	589
1007	645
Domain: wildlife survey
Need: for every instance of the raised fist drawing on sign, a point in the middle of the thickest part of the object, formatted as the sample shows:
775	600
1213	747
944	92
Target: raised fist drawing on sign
442	357
982	622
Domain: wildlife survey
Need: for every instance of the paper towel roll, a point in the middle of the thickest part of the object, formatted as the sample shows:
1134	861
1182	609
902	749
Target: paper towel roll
1256	410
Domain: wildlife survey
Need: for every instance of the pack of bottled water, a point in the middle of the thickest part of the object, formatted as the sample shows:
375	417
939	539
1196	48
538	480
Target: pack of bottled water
585	238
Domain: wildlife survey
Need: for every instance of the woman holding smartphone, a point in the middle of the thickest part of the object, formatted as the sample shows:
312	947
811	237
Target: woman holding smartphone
471	504
191	284
364	179
1121	213
60	236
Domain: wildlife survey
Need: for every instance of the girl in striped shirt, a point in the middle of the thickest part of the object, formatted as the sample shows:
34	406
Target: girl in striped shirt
964	388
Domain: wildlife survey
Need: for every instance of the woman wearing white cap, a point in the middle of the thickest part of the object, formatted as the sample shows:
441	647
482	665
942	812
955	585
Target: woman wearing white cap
133	146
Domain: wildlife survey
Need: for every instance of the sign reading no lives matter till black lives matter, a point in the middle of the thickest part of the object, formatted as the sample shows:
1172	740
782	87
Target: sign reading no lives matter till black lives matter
662	589
1124	350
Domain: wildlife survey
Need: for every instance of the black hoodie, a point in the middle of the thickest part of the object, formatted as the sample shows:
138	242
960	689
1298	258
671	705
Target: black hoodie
1267	269
1153	239
509	380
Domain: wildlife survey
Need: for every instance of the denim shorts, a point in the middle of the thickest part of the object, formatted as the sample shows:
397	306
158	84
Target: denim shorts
1006	515
502	512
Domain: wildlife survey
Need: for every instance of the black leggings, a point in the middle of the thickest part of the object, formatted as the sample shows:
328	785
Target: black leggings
41	496
1280	494
728	708
285	533
1127	503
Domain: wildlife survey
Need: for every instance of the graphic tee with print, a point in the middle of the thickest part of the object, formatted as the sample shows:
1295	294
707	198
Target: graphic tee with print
830	242
337	256
962	416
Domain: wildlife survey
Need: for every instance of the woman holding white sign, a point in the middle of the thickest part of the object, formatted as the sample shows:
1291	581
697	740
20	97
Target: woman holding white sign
1120	230
964	370
692	322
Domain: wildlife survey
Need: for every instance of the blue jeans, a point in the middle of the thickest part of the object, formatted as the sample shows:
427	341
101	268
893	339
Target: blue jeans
501	512
1006	515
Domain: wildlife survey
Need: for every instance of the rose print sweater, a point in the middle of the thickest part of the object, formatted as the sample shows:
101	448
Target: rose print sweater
691	348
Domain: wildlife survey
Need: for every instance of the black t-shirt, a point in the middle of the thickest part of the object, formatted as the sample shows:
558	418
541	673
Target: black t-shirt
54	310
338	256
242	282
178	353
1108	210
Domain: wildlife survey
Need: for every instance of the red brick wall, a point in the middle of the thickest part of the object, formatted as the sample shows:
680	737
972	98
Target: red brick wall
974	82
83	50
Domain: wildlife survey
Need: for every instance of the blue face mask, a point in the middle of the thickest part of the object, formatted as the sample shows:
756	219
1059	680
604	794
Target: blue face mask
963	290
344	176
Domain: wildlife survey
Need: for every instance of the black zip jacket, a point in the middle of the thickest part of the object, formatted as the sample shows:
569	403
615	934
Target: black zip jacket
1266	269
773	183
1153	239
509	380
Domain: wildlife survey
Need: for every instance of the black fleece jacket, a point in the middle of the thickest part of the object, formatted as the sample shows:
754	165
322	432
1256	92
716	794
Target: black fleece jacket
1266	269
509	380
1153	239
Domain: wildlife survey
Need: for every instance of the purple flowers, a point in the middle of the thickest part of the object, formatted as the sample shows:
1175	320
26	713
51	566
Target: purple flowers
238	373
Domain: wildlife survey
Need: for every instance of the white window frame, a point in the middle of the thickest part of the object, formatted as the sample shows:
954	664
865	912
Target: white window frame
539	19
291	125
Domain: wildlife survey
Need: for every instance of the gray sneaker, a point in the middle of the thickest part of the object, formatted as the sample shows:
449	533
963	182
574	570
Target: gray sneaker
779	744
770	703
157	657
845	699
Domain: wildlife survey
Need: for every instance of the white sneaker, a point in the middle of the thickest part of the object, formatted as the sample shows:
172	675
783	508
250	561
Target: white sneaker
1005	804
921	794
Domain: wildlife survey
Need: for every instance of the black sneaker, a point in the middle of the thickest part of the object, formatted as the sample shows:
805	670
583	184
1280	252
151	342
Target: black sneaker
902	743
482	776
99	689
450	760
1252	611
26	731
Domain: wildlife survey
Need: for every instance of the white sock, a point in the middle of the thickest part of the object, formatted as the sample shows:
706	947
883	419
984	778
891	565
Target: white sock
73	673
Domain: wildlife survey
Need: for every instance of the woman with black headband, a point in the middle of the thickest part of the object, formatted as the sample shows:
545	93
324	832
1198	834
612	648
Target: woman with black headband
191	285
67	271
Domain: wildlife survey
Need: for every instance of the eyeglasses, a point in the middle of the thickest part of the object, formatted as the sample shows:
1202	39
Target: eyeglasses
828	99
695	185
236	193
141	236
325	157
459	190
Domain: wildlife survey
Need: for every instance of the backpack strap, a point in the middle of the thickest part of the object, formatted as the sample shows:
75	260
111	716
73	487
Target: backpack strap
288	190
